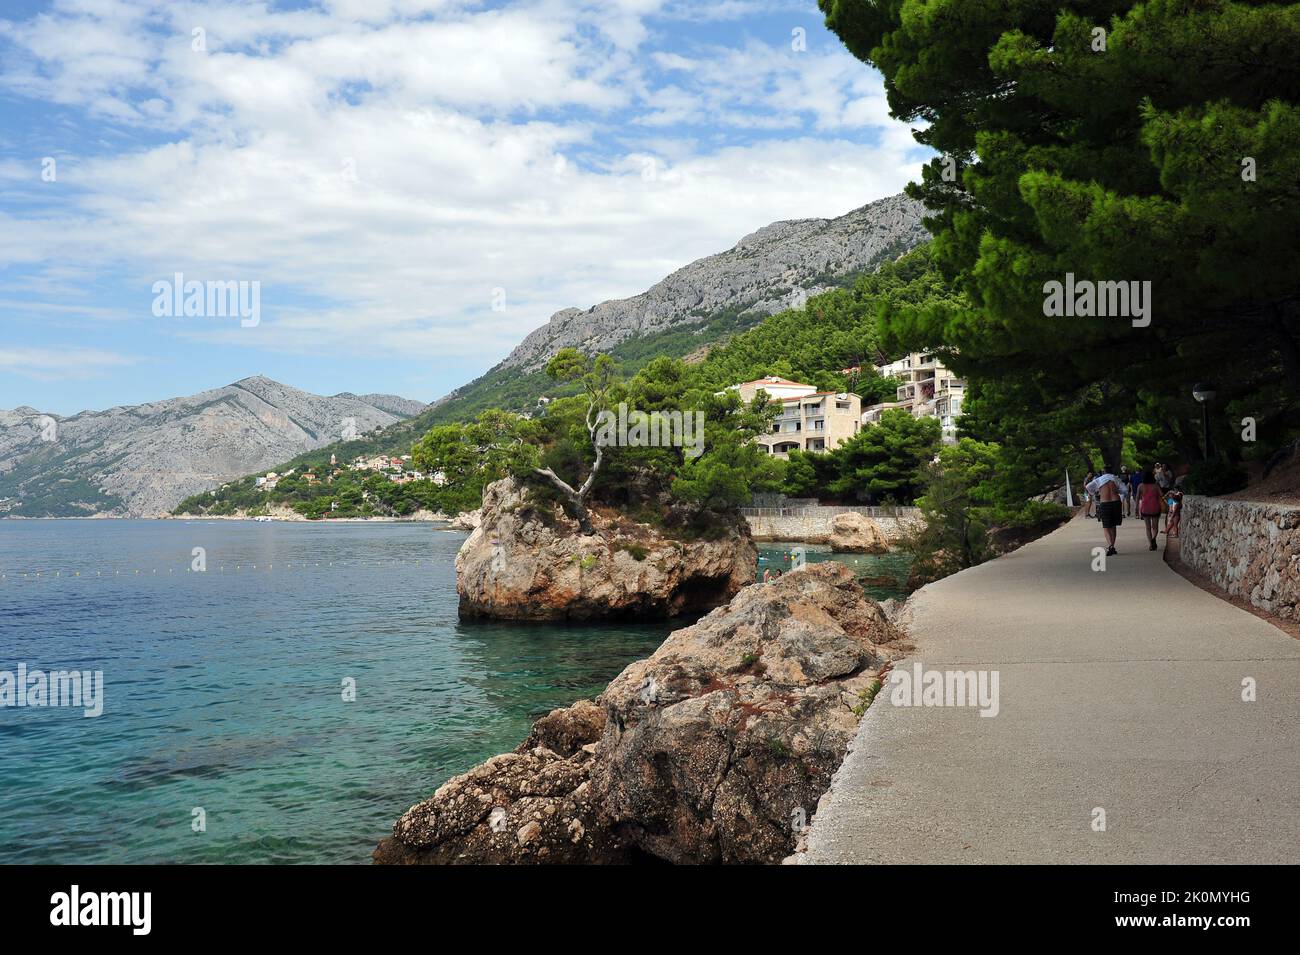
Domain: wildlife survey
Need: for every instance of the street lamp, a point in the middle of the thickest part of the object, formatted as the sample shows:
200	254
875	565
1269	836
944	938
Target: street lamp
1204	393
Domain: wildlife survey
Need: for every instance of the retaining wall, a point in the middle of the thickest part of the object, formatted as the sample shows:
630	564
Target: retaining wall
813	524
1250	550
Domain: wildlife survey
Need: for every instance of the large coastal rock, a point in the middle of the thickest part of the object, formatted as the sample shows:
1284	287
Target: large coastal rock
528	560
714	749
855	533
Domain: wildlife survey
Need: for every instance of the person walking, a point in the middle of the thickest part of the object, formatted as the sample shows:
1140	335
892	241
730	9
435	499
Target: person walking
1087	494
1134	482
1165	478
1124	489
1149	496
1175	498
1105	488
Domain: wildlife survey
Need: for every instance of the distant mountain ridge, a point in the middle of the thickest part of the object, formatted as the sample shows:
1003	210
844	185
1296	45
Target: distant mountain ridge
141	460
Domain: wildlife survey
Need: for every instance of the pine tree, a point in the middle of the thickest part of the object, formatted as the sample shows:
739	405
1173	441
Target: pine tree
1118	142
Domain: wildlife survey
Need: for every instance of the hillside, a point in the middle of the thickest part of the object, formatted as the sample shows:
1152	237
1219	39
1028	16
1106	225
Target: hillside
140	460
695	309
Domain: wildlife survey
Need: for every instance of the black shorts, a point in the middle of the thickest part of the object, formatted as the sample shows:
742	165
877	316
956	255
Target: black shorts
1111	513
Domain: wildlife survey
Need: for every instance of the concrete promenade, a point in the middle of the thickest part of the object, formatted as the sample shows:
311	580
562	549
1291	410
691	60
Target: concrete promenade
1118	691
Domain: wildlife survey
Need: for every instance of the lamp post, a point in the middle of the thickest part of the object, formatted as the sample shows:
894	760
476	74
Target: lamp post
1204	393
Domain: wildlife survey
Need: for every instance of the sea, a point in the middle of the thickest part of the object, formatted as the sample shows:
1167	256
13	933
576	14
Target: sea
274	692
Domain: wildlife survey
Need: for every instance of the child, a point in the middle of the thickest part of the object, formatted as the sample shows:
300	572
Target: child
1175	499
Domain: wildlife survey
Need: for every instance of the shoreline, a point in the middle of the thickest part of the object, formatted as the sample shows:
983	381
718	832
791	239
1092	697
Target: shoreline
277	518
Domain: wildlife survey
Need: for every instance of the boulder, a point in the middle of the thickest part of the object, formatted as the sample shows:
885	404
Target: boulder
528	560
466	520
714	749
532	805
855	533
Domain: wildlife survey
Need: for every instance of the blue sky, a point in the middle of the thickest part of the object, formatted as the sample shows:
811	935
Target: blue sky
414	185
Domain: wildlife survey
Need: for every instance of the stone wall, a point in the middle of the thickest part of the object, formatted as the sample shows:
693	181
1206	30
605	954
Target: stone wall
812	525
1250	550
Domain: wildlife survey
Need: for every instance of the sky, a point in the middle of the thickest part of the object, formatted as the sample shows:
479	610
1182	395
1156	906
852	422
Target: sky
408	187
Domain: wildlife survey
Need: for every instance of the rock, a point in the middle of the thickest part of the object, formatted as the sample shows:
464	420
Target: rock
466	520
716	748
928	568
855	533
529	561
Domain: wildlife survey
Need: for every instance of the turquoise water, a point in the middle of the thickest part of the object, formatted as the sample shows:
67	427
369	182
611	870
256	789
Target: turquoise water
224	688
872	569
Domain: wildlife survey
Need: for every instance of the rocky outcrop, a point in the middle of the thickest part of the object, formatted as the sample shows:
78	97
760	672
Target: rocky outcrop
466	520
143	460
714	749
1249	549
528	560
855	533
533	805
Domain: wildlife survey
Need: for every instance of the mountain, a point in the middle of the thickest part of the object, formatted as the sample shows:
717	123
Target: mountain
693	310
142	460
768	271
776	268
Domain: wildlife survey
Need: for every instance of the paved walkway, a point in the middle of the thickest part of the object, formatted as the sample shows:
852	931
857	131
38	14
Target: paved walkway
1119	690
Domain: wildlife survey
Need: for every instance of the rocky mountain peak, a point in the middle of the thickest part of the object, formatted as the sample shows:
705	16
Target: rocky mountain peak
771	269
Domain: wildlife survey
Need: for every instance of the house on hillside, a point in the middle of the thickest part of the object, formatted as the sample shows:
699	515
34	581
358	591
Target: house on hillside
809	420
820	421
928	390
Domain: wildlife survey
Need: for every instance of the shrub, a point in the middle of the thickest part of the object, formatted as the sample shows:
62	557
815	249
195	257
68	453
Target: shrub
1215	477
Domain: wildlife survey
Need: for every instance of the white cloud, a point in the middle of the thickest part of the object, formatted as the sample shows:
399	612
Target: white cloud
53	364
491	148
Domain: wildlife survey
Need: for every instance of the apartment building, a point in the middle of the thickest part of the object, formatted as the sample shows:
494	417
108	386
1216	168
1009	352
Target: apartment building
928	390
809	420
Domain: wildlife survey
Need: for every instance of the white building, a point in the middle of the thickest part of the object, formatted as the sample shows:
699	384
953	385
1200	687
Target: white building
779	388
928	390
809	420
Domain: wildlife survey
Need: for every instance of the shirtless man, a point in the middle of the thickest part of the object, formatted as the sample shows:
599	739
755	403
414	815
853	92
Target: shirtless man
1105	488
